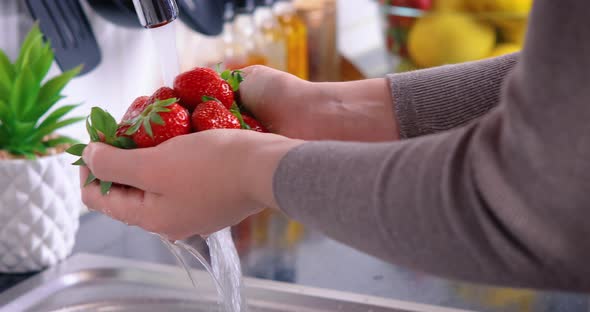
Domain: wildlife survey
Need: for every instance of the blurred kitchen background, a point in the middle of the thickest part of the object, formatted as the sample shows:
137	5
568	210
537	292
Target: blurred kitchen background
318	40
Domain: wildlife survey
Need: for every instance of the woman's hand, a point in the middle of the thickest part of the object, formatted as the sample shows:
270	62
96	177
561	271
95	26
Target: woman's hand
191	184
346	111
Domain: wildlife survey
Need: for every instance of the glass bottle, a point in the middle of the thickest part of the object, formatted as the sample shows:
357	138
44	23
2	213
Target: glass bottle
274	43
296	33
246	44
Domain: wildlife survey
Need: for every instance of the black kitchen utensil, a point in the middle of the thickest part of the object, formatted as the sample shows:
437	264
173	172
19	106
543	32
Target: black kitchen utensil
204	16
65	24
119	12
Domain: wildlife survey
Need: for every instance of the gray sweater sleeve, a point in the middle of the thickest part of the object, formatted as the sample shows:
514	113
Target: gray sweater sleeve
501	200
437	99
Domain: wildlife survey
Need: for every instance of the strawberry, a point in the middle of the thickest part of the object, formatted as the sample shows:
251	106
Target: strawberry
212	114
160	121
253	123
163	93
138	105
136	108
193	85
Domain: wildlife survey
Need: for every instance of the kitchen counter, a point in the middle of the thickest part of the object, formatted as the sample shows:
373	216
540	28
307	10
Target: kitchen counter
321	262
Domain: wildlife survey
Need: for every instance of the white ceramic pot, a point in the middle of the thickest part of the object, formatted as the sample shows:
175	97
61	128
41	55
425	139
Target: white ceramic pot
39	210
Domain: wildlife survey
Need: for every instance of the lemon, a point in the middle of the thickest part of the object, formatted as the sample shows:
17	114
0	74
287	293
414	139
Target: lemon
449	5
448	38
512	6
405	65
514	31
505	48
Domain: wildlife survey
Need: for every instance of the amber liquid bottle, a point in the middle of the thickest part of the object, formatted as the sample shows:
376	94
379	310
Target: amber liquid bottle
272	38
295	31
243	41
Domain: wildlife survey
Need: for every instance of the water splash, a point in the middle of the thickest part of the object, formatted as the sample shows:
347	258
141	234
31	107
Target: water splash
227	269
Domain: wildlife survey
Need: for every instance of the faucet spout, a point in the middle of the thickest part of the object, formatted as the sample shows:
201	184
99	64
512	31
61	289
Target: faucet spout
155	13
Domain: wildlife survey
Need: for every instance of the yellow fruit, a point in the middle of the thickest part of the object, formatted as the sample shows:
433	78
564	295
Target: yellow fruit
405	65
514	31
505	48
448	38
449	5
512	6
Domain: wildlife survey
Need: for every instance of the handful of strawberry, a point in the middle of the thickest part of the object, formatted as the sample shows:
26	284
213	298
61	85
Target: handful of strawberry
202	99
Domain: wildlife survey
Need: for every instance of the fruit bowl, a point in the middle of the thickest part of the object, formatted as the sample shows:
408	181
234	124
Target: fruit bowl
428	33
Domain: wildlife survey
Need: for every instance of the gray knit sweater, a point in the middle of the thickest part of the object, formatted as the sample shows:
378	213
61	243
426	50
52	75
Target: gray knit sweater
491	184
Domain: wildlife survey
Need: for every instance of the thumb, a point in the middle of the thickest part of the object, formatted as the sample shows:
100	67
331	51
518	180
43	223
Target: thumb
128	167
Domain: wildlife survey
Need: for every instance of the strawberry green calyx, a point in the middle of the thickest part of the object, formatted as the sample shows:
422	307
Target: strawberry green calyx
235	110
149	115
101	127
234	78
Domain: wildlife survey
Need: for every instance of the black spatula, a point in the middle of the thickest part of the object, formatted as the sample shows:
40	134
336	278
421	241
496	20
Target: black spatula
65	24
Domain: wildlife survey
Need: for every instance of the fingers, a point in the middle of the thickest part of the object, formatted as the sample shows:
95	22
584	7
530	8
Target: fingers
259	84
128	167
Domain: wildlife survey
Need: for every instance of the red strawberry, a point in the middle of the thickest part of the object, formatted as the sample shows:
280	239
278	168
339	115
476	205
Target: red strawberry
192	85
253	123
133	111
159	122
213	115
136	108
163	93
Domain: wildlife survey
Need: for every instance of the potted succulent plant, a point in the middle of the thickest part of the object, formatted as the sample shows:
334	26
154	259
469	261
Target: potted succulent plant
39	195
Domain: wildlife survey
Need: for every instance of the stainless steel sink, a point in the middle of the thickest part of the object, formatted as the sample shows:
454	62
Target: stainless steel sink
95	283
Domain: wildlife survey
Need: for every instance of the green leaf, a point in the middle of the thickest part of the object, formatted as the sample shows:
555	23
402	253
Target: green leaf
6	114
40	149
103	122
235	79
218	68
76	150
91	131
225	75
49	129
79	162
157	119
134	128
22	129
59	141
147	126
91	178
207	98
124	142
30	48
41	66
57	114
105	187
24	93
6	76
4	135
50	93
165	103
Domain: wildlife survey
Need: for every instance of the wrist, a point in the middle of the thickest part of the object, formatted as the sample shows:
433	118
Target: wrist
351	111
263	154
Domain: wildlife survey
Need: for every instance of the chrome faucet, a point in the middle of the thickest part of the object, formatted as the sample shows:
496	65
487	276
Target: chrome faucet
155	13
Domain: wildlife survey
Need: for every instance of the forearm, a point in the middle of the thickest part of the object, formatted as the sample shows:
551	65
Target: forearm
442	98
503	200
